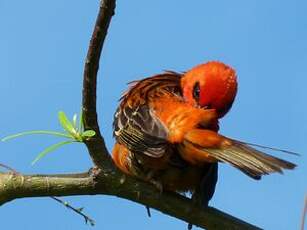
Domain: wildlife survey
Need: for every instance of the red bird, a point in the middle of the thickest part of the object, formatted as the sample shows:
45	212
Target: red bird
166	130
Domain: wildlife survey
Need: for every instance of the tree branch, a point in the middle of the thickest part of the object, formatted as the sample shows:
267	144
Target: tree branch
76	210
13	186
176	205
91	67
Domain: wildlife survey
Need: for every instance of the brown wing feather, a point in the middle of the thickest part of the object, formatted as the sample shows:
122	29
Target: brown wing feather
141	91
135	124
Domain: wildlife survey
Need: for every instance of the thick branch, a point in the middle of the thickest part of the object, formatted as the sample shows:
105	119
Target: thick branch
178	206
91	67
14	186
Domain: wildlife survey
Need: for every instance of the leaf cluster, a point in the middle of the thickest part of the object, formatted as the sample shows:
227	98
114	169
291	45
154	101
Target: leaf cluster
73	132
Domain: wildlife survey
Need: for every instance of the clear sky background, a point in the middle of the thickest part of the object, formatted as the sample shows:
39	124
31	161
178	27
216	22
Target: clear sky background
42	49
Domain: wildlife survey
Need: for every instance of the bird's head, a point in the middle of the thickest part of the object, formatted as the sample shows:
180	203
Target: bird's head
210	86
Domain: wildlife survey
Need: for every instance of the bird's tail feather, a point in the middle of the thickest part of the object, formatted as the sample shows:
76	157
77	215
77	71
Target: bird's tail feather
210	145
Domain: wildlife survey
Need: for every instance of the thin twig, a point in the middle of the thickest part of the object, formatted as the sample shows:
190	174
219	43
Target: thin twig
8	168
148	211
76	210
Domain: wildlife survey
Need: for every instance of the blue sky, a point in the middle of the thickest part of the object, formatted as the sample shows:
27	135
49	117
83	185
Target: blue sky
43	45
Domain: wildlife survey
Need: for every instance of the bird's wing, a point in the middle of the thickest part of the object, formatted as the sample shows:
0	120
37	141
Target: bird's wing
135	123
140	131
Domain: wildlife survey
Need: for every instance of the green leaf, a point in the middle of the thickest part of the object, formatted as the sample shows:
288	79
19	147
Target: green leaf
74	121
81	120
50	149
88	133
68	126
59	134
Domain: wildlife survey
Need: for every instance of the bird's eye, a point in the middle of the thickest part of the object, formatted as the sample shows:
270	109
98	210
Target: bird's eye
207	107
196	91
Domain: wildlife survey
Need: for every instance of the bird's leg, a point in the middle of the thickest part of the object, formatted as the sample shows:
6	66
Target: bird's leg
197	201
203	194
156	183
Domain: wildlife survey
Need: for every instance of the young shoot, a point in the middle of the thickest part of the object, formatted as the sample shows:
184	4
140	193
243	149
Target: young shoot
73	132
